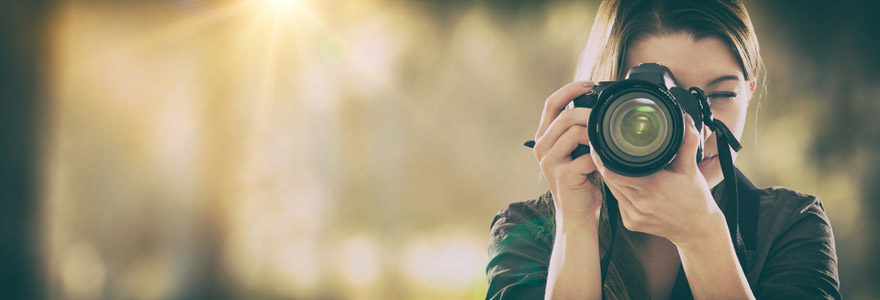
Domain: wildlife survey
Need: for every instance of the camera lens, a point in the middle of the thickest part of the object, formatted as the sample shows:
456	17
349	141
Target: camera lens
637	128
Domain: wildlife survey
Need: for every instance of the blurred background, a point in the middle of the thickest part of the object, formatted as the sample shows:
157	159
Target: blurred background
353	149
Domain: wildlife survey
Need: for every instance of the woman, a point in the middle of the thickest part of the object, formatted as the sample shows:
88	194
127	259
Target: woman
675	241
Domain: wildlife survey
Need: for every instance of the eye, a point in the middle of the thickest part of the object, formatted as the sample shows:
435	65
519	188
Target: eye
722	95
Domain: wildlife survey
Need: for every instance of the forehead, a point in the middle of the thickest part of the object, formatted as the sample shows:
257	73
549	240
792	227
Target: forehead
692	62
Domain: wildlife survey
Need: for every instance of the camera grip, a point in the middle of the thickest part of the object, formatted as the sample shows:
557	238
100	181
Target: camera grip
580	150
587	100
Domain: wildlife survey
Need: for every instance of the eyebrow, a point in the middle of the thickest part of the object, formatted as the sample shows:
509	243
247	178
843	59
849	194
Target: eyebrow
713	82
722	78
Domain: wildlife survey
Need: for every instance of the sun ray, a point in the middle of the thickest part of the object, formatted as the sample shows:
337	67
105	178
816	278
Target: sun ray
184	28
236	57
162	36
266	93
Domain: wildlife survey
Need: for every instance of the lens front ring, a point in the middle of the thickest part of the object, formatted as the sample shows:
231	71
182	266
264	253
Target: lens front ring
616	159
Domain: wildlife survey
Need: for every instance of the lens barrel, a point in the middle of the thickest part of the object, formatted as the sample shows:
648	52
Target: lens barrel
636	127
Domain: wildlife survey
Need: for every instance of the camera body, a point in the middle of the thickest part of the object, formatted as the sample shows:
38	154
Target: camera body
636	125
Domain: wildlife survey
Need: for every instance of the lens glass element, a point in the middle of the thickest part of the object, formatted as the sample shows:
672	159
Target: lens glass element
638	126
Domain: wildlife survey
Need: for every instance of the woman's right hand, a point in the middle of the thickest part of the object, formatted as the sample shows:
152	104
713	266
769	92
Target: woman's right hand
575	195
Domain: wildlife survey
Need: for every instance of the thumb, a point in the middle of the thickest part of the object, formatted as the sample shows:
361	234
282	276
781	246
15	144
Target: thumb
686	159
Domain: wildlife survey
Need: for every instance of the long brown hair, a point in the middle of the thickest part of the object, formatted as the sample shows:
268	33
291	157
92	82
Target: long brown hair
618	24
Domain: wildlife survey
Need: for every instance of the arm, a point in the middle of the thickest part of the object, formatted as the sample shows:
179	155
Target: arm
711	265
574	271
521	247
517	267
577	199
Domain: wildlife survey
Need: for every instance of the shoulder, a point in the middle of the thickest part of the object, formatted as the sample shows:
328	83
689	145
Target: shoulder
781	208
795	240
520	244
531	219
791	200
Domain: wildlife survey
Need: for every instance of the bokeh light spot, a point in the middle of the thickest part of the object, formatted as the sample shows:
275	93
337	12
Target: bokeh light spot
83	273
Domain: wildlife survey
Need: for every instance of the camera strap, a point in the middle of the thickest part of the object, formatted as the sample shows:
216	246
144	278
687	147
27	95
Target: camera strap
613	215
730	189
726	140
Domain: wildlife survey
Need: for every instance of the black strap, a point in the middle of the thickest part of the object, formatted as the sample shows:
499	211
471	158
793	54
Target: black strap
613	214
731	194
726	140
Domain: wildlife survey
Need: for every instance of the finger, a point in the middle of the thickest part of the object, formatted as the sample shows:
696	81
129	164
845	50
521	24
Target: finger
630	214
557	101
600	165
583	165
626	210
686	159
568	117
567	142
620	193
633	184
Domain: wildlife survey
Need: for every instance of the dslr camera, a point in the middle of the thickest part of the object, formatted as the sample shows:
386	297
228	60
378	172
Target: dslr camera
636	125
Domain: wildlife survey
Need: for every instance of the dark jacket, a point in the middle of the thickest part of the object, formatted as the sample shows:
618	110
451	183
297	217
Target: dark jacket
792	253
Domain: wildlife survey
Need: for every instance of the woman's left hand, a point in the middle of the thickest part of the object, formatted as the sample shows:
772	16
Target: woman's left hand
675	203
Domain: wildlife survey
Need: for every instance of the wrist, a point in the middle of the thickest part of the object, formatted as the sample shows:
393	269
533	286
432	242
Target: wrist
577	222
707	236
577	208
